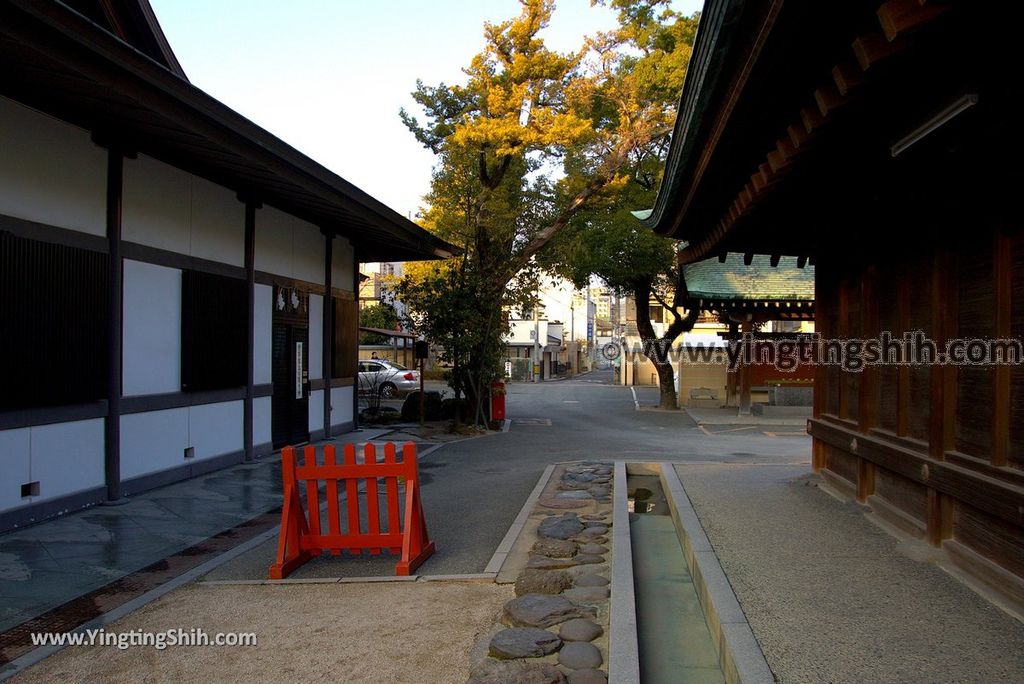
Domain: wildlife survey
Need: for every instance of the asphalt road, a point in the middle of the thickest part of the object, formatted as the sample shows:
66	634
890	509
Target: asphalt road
473	489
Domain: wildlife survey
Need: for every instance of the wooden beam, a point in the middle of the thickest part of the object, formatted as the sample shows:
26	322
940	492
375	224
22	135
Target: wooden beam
872	48
811	118
898	17
797	135
847	76
828	99
766	173
758	180
776	161
786	149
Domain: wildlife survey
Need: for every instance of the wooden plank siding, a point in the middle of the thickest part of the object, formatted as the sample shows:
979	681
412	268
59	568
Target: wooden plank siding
936	451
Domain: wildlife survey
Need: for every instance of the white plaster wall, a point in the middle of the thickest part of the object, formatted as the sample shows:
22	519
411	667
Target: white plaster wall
152	329
288	246
171	209
157	203
218	224
308	252
261	421
15	460
316	337
341	405
316	410
263	323
153	441
216	429
50	171
342	264
67	458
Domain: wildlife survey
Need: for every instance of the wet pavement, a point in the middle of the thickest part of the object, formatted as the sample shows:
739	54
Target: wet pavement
46	565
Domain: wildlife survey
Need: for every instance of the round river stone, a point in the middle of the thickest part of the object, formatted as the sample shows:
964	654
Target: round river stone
588	677
579	655
580	630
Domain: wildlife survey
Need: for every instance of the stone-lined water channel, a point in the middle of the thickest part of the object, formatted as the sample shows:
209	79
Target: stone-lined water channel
672	633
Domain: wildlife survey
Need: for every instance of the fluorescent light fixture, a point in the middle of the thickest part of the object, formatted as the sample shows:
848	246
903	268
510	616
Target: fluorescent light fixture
957	107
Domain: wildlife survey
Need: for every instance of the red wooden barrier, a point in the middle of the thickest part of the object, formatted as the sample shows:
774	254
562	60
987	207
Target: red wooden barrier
301	537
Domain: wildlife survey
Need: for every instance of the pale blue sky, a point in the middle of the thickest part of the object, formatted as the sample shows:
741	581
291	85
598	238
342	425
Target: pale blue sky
328	76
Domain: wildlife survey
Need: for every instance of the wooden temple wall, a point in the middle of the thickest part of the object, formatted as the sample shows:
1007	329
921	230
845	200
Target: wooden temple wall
937	451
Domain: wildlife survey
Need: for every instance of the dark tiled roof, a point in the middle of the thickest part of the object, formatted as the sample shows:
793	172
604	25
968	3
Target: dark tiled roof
711	279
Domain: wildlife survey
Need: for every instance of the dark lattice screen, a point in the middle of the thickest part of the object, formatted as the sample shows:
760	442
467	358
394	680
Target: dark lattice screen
53	324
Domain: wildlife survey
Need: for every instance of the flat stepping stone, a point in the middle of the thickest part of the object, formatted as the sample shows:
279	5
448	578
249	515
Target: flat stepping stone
593	531
491	671
588	677
584	476
580	630
541	610
593	549
523	642
532	581
592	581
579	655
574	494
560	526
586	594
555	548
587	559
564	503
599	491
595	523
545	563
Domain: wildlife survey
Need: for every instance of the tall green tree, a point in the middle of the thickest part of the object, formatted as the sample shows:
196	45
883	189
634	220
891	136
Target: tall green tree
534	138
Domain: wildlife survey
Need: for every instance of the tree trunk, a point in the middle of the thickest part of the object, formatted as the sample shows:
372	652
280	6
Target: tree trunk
667	386
655	348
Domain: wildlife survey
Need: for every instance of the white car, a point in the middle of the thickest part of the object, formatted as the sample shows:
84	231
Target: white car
387	378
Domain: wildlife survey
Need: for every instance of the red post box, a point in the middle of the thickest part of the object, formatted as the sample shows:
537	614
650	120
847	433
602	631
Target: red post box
498	400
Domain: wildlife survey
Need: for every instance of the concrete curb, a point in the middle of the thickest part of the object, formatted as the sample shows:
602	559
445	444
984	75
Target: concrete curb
623	646
501	553
703	419
739	653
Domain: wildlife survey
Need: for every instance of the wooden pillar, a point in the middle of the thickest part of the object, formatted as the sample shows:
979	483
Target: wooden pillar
327	347
821	370
115	326
744	378
355	324
867	407
250	343
1003	274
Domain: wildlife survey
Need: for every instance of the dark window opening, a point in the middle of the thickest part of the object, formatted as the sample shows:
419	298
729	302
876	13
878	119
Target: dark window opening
213	330
53	324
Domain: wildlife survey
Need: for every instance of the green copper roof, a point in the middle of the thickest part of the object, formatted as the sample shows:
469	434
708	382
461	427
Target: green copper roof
711	279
